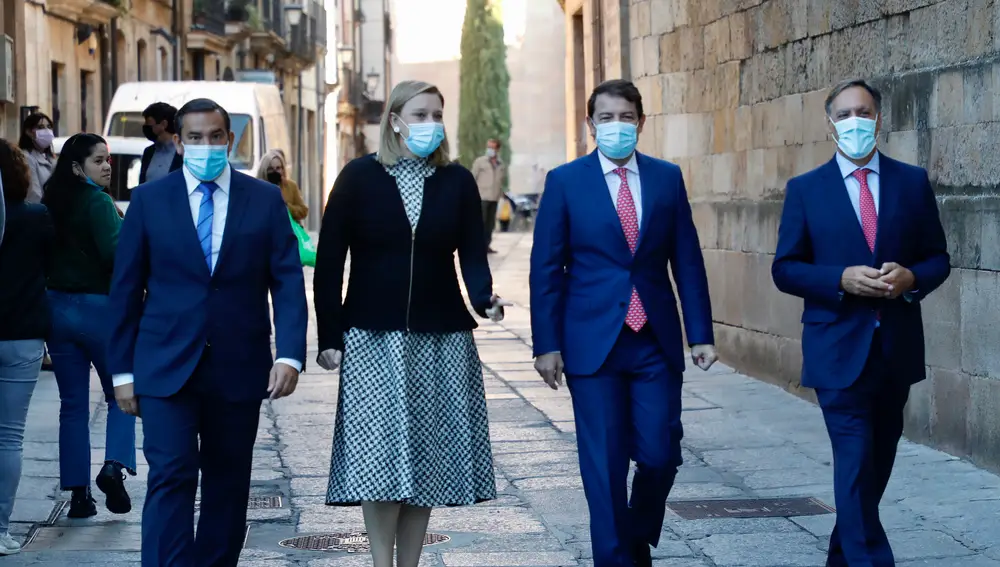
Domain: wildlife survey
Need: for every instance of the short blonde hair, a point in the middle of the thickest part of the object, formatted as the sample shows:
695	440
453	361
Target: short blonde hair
390	147
265	162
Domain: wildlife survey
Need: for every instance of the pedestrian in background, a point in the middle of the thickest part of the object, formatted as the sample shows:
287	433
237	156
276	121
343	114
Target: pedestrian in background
36	143
87	224
490	171
861	242
24	321
160	158
411	429
272	168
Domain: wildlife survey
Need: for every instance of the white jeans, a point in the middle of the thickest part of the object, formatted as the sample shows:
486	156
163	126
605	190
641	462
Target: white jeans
20	362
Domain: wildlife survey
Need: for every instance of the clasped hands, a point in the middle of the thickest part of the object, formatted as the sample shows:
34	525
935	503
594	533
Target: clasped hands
891	281
330	358
550	366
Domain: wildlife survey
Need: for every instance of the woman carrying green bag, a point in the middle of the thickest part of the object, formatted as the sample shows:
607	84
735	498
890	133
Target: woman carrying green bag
272	169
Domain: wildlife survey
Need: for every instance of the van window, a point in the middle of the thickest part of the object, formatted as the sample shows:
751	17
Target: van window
129	125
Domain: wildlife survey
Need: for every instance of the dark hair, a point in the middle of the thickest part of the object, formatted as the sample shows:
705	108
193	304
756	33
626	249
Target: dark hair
198	106
618	88
161	112
64	185
14	172
27	143
495	141
850	84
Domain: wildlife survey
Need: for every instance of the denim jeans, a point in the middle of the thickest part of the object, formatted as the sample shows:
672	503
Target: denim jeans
20	362
80	337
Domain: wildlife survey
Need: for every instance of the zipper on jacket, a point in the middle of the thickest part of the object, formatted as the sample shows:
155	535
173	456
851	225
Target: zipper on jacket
409	293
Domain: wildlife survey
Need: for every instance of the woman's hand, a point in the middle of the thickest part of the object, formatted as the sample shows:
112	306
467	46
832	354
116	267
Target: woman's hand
495	312
329	359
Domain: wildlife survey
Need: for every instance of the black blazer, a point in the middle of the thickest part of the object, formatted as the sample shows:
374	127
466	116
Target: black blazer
24	257
147	157
399	280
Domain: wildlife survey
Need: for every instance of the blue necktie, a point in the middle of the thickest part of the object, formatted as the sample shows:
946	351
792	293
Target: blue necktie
205	215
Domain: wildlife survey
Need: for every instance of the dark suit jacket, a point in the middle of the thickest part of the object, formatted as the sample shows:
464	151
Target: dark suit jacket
147	157
582	271
167	306
820	236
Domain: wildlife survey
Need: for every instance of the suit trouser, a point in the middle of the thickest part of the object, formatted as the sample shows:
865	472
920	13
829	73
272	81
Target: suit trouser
865	422
172	428
629	410
489	220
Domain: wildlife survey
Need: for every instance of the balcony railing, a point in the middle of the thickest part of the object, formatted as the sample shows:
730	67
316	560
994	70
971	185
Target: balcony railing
209	16
318	17
271	16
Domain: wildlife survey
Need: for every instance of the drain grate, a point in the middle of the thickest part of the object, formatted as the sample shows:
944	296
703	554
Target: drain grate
351	542
749	508
255	503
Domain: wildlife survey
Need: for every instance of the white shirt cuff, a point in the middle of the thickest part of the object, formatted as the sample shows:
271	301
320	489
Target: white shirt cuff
290	362
122	379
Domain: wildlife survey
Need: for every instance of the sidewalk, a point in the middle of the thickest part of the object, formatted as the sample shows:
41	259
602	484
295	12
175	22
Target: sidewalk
743	439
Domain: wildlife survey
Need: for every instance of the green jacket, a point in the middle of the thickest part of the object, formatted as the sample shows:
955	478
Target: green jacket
84	250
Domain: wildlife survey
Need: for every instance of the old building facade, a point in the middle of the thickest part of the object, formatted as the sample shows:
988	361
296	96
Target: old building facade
734	93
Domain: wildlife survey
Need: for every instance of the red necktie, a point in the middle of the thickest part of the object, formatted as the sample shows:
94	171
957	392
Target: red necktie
869	217
636	316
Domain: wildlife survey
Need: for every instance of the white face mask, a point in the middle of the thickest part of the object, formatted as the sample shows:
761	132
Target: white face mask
490	152
856	136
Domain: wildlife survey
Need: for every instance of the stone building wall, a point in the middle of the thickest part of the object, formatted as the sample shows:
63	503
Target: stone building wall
734	92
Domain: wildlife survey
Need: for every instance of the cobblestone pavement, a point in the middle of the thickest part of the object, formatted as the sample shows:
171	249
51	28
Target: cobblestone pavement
743	439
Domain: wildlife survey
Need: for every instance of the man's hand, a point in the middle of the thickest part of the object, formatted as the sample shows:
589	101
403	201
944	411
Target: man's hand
495	311
550	368
126	400
899	279
865	282
329	359
704	356
283	380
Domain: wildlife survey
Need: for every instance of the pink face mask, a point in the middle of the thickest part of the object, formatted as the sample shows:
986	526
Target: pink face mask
44	137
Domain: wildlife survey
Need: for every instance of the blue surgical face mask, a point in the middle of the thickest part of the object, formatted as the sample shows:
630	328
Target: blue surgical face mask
206	163
93	183
424	138
616	140
856	136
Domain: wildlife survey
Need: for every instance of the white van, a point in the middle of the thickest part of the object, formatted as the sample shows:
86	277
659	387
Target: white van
255	110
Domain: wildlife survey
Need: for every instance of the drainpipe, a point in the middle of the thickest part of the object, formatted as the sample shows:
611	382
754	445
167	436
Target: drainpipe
113	33
175	29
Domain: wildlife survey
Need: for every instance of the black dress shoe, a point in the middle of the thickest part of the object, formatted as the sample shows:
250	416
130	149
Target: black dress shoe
641	555
111	481
82	504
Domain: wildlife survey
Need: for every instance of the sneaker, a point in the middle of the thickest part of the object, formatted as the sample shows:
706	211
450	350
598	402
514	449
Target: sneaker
8	545
82	504
111	481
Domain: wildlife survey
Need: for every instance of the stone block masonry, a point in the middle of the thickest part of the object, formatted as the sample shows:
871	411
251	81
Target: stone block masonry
736	90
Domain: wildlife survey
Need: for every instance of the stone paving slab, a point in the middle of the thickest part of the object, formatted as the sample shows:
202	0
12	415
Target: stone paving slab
743	439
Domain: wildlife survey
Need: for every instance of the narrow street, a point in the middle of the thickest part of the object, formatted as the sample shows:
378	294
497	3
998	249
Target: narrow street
743	439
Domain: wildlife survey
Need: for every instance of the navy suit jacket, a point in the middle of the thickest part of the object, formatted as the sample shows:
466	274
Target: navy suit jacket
167	306
582	271
820	236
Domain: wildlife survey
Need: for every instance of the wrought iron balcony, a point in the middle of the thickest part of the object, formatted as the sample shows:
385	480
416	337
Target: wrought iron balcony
209	16
271	16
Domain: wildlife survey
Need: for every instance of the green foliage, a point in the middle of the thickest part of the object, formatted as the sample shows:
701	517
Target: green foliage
484	102
254	21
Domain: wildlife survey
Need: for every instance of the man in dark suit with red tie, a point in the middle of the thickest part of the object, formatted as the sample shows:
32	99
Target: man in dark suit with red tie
861	242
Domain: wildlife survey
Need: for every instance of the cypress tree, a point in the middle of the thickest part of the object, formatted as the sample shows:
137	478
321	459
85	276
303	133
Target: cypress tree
484	103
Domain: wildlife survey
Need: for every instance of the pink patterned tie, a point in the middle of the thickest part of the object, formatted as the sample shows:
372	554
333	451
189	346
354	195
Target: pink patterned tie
869	217
636	316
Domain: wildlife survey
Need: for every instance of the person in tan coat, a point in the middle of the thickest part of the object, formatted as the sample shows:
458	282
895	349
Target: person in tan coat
272	169
489	171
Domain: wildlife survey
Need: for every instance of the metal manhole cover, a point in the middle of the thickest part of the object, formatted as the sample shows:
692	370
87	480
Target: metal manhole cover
351	542
749	508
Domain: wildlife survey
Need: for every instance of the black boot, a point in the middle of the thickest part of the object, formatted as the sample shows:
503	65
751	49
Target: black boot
641	555
111	481
82	504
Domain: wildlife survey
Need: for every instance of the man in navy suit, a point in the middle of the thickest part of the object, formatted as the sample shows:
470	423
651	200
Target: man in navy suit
602	303
200	251
861	242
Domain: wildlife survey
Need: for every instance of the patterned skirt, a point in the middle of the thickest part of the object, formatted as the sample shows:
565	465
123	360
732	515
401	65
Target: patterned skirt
411	422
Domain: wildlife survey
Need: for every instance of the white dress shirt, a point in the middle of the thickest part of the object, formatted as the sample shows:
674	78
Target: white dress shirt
615	182
847	170
220	202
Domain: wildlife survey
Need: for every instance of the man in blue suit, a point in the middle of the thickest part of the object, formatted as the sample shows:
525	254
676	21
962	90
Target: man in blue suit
602	304
861	242
200	251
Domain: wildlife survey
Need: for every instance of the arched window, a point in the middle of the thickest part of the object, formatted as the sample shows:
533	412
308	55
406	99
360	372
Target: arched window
140	52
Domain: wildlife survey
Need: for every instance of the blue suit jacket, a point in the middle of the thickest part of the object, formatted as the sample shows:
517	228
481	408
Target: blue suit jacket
582	270
820	236
167	306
